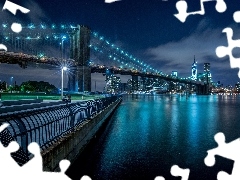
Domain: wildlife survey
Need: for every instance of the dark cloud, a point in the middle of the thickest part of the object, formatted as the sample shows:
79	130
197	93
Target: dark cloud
202	44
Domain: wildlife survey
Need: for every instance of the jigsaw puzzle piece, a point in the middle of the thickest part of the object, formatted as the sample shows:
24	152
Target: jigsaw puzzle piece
36	161
225	176
236	16
12	7
182	6
111	1
4	125
221	6
159	178
64	164
222	51
227	150
177	171
88	178
5	154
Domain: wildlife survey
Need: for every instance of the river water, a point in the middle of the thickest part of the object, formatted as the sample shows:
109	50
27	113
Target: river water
147	135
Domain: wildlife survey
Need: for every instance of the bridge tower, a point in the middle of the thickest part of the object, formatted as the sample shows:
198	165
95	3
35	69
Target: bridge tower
80	80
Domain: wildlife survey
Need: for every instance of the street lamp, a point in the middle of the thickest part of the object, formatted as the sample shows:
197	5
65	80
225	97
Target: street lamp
11	81
11	84
63	69
63	38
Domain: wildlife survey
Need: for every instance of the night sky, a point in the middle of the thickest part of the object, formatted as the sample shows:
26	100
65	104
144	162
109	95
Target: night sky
147	29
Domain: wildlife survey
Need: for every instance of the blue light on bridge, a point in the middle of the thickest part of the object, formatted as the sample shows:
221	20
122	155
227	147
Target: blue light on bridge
72	27
43	26
31	26
53	26
4	25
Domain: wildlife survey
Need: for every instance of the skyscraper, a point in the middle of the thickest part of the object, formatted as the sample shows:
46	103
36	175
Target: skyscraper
206	67
194	70
207	73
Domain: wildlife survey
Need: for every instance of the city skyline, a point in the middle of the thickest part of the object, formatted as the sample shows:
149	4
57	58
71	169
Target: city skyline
146	29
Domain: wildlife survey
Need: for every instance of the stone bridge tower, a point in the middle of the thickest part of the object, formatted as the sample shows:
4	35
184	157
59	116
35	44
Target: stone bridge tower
80	79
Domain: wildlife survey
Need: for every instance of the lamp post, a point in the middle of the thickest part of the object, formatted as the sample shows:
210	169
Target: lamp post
63	69
11	84
63	38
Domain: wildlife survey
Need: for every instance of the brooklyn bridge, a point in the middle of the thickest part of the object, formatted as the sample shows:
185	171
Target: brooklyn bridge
84	52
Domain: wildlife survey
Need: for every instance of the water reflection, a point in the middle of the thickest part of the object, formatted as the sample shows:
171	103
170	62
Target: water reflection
148	134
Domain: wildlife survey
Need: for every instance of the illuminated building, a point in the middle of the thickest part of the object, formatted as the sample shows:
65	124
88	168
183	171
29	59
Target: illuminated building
207	73
174	74
237	87
194	70
112	84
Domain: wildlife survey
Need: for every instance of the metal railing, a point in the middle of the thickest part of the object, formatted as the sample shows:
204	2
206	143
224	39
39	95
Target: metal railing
47	125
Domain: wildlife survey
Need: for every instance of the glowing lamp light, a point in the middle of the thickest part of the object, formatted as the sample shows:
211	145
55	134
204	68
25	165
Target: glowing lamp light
64	68
53	26
43	26
31	26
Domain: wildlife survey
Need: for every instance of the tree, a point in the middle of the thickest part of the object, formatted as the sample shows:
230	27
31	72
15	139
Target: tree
3	86
35	86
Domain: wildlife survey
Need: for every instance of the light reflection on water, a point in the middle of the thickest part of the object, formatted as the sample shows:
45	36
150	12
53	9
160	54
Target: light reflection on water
149	134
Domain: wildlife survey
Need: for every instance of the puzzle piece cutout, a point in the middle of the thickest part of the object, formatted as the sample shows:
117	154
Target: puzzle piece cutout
33	168
111	1
12	7
236	16
177	171
222	51
182	6
227	150
2	46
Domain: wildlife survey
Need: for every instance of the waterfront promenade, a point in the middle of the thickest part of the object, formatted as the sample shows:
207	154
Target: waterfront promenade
61	129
